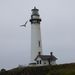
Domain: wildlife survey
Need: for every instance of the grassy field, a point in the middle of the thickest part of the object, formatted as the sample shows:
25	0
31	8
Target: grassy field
64	69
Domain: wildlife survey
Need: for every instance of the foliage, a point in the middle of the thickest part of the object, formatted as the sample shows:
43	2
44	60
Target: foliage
64	69
3	70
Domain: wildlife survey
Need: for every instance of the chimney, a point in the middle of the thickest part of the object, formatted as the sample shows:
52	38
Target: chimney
51	53
39	53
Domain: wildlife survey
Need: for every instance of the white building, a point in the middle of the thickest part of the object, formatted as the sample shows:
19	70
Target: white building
36	43
35	34
42	60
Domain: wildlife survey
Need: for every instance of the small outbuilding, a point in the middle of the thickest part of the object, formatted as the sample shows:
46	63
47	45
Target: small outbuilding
42	60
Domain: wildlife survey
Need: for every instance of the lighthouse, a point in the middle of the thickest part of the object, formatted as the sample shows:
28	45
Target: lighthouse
36	42
37	58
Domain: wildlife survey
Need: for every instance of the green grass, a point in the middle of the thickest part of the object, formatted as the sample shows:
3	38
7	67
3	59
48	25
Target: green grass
64	69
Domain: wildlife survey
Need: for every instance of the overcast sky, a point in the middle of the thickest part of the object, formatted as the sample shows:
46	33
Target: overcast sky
57	30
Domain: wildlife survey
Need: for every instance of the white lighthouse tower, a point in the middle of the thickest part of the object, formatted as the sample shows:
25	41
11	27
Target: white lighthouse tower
36	43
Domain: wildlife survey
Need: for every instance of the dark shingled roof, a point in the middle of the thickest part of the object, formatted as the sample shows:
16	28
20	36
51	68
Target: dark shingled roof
47	57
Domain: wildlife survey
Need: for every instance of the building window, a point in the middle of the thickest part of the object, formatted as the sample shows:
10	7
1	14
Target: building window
37	62
39	43
40	61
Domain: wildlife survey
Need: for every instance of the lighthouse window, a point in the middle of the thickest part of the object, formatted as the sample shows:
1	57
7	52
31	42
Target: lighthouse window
39	43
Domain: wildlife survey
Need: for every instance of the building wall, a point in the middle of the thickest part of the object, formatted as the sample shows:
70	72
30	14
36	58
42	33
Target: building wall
43	63
38	64
53	62
35	38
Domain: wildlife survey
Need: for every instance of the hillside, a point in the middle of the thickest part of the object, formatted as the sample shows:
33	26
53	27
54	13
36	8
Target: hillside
64	69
